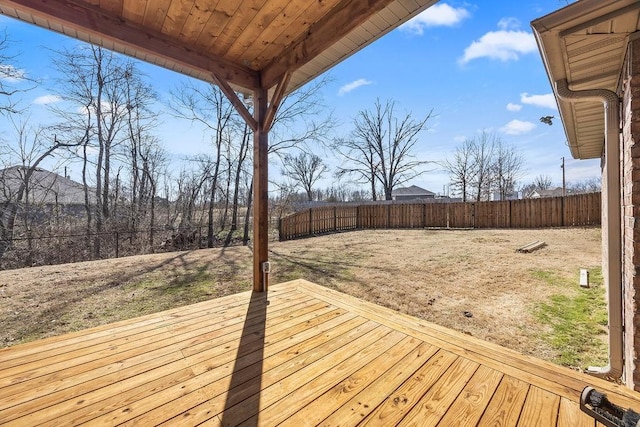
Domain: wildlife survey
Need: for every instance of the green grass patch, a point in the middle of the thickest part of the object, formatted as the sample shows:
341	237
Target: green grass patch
577	320
552	278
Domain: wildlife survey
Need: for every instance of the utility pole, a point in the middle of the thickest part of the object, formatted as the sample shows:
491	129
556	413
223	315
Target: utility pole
564	186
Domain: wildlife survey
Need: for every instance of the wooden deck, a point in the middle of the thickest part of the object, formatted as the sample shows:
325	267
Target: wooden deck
304	356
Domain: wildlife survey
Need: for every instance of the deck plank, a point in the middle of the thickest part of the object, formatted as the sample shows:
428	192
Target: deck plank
570	415
435	403
275	368
313	413
471	403
540	408
89	343
97	369
301	355
506	404
401	401
258	398
362	404
556	379
220	365
275	404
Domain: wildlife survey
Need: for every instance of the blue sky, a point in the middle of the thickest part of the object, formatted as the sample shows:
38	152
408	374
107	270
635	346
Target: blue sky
475	64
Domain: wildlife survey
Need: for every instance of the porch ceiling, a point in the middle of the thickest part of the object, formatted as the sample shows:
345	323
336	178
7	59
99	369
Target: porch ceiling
250	44
586	43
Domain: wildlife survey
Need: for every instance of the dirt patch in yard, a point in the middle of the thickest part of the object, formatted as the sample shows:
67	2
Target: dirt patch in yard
469	280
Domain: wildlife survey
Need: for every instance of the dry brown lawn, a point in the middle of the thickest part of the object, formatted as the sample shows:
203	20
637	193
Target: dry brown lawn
437	275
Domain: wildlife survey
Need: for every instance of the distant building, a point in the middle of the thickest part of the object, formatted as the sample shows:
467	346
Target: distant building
495	196
412	193
538	194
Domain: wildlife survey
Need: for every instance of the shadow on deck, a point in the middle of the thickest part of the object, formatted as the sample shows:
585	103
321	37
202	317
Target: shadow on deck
301	355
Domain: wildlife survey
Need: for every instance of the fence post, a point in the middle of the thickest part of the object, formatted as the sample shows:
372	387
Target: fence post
310	222
424	215
335	218
358	221
117	244
388	216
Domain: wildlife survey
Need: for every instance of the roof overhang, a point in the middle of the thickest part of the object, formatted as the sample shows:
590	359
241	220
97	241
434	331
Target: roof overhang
586	43
249	44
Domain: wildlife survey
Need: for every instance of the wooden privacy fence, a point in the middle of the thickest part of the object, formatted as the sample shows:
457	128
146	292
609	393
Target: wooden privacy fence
575	210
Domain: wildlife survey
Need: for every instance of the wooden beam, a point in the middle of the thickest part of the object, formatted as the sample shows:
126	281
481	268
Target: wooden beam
236	102
342	19
276	99
100	23
260	191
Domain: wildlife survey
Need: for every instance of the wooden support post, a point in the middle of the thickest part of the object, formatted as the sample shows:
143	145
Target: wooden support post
260	191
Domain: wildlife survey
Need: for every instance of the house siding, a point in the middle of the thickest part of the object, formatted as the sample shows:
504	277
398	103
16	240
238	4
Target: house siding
630	171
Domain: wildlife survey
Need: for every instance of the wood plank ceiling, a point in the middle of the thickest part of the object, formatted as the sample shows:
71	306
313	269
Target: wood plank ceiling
249	43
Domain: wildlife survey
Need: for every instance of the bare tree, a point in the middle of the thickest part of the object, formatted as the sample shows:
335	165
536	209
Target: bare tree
208	106
301	119
506	168
461	168
540	182
141	148
483	153
153	159
243	154
587	185
381	148
29	150
305	170
12	78
95	83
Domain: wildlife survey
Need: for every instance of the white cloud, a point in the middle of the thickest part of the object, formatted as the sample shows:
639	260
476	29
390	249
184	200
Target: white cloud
517	127
547	100
514	107
509	24
11	74
47	99
503	45
438	15
459	138
352	86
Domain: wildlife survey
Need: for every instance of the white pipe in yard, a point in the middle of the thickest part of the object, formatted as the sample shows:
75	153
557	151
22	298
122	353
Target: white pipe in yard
613	201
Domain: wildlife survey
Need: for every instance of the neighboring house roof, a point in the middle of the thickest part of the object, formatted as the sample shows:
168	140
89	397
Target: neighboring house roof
247	45
585	43
414	190
553	192
44	187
